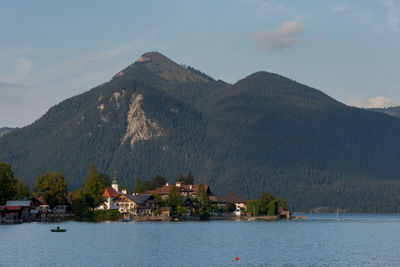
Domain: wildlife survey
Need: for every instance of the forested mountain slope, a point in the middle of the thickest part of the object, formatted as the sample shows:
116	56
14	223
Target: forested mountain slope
263	133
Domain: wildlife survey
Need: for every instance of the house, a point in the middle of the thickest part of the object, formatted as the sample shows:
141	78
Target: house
186	190
17	210
62	207
239	203
110	194
138	205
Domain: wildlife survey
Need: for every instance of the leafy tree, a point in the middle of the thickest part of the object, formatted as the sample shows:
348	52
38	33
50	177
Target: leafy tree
203	203
214	207
148	185
253	207
180	210
21	190
159	181
52	187
138	187
174	198
7	183
272	208
93	188
265	199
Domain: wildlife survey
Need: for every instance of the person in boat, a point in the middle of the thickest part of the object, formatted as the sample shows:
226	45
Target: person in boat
58	227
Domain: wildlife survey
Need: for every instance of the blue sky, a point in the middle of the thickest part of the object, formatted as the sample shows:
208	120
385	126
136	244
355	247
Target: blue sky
52	50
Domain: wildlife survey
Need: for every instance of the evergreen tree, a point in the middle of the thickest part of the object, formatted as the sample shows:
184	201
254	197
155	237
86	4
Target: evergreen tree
52	187
138	187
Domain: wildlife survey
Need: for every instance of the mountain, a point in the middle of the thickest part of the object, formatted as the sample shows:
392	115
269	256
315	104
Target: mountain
263	133
6	130
392	111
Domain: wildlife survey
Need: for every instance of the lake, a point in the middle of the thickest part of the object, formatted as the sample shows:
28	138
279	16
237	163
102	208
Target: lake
356	240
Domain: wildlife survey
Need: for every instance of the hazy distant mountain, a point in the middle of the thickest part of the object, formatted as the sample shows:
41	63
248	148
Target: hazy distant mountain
6	130
263	133
392	111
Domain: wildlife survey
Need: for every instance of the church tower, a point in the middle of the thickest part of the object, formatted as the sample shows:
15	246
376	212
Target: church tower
114	184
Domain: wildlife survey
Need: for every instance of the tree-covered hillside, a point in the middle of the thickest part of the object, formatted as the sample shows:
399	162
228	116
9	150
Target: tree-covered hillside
263	133
392	111
6	130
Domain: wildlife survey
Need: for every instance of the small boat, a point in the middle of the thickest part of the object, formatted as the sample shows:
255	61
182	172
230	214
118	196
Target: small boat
175	219
337	218
126	220
58	229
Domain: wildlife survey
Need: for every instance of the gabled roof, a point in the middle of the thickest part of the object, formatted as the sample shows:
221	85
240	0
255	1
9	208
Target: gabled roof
228	199
141	199
110	192
138	199
22	203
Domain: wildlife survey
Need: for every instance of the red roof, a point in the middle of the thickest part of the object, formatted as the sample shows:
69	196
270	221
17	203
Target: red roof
13	207
110	192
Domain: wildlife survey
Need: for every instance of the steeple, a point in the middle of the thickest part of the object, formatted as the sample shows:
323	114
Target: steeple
114	184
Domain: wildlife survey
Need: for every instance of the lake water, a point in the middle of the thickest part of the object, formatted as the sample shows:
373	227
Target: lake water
356	240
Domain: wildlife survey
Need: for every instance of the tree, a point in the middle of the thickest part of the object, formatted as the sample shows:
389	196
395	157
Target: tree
159	181
93	189
253	207
265	199
21	190
138	187
272	208
186	180
148	185
7	183
203	203
52	187
174	198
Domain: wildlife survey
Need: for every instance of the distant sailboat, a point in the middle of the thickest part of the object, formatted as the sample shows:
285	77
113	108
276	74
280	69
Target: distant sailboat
337	218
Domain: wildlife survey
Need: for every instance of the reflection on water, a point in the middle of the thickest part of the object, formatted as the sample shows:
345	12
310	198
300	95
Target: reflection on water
356	240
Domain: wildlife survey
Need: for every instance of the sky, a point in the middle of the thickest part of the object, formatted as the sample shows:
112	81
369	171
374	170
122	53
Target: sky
51	50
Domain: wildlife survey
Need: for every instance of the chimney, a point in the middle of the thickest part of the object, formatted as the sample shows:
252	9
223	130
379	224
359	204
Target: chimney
167	184
178	184
190	186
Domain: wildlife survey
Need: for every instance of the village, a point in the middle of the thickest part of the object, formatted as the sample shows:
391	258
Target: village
150	205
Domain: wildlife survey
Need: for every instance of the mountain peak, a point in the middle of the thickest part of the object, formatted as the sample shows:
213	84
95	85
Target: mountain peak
168	69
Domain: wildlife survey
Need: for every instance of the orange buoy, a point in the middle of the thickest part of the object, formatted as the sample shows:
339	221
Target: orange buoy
237	258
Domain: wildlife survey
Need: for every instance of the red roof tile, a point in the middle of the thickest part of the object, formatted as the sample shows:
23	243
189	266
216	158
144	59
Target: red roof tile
13	207
110	192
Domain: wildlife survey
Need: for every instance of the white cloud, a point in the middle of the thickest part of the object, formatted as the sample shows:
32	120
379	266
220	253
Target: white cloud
268	5
393	16
340	8
278	38
374	102
22	67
